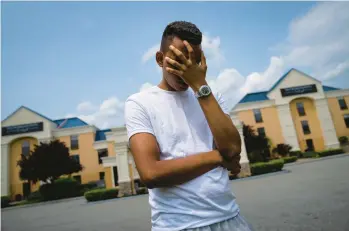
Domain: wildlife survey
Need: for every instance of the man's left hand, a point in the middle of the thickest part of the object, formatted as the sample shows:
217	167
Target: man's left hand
234	165
189	70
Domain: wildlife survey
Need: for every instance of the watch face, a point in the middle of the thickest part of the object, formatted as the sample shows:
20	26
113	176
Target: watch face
205	90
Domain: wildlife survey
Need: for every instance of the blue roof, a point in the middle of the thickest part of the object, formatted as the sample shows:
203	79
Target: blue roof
260	96
71	122
253	97
100	134
327	88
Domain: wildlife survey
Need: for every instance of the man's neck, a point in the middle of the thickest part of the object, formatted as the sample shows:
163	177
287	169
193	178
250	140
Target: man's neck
165	86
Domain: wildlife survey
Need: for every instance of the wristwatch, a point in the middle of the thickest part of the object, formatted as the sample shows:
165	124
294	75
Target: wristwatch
203	91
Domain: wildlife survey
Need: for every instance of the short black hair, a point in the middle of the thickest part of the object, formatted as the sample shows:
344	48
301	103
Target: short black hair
183	30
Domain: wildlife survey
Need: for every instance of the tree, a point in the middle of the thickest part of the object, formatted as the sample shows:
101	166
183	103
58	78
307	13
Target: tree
257	147
47	162
282	149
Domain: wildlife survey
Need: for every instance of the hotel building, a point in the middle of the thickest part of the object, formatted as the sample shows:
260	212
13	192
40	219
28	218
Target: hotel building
297	110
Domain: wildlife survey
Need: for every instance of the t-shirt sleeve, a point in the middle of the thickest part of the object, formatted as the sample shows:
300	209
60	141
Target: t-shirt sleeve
137	119
222	103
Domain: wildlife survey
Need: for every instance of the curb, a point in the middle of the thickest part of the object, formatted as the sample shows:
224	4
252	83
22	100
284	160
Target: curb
41	203
311	160
284	171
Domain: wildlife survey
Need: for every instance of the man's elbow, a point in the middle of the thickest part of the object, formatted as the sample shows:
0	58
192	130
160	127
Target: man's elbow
149	179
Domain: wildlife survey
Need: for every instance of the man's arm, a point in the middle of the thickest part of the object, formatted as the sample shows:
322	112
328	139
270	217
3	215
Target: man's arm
157	173
226	136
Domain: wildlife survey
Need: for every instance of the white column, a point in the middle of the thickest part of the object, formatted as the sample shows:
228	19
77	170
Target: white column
244	162
122	162
134	169
112	176
287	126
5	168
329	132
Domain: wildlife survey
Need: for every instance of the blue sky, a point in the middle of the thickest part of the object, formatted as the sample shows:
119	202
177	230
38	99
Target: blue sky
85	58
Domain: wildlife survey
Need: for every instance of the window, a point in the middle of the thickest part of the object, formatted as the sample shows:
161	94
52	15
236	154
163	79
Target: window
305	126
25	148
257	115
101	175
342	103
74	142
346	120
310	145
300	109
261	132
76	158
77	178
102	153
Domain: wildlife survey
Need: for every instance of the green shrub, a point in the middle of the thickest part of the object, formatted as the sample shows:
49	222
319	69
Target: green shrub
298	154
282	149
34	196
266	167
343	140
61	188
142	190
5	201
290	159
331	152
101	194
310	154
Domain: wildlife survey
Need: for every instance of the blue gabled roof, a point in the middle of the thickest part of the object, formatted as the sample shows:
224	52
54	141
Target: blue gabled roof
253	97
100	134
71	122
328	88
260	96
28	110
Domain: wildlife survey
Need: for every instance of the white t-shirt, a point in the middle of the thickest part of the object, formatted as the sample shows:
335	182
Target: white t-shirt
180	127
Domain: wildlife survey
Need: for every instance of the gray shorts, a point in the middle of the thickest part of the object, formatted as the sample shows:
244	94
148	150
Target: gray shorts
237	223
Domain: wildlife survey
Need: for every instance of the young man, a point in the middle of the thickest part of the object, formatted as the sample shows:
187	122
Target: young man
184	142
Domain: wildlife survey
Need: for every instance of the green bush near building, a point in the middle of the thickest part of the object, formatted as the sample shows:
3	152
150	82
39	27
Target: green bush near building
290	159
267	167
309	155
330	152
5	201
61	188
101	194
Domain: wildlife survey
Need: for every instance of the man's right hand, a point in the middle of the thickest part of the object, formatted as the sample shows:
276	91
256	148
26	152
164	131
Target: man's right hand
234	165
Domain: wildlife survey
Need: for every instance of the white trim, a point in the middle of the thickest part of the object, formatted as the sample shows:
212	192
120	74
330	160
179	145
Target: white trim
112	177
98	145
253	105
74	131
337	93
109	161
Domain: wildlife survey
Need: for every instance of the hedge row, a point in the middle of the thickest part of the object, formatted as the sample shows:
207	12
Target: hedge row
5	201
266	167
290	159
330	152
101	194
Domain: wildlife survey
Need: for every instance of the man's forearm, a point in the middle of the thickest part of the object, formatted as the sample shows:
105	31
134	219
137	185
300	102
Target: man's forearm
226	136
168	173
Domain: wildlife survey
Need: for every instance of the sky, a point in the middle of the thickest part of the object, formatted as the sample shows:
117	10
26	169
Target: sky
84	59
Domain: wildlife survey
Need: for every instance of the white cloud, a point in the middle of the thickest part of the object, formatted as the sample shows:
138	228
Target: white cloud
319	40
86	106
146	86
150	53
212	48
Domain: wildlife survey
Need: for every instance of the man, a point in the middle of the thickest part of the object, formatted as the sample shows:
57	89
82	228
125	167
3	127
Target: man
184	142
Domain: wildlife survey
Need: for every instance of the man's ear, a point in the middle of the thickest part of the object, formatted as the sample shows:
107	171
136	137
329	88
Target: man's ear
159	58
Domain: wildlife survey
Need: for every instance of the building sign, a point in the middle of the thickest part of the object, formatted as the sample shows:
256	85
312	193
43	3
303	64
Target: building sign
23	128
298	90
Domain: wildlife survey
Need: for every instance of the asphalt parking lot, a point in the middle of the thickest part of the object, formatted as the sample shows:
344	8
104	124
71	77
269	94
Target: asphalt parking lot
311	196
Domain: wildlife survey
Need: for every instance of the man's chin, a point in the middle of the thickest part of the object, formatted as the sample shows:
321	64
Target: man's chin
182	87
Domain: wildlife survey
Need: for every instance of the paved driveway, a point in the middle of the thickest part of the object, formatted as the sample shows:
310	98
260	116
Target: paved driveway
313	196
